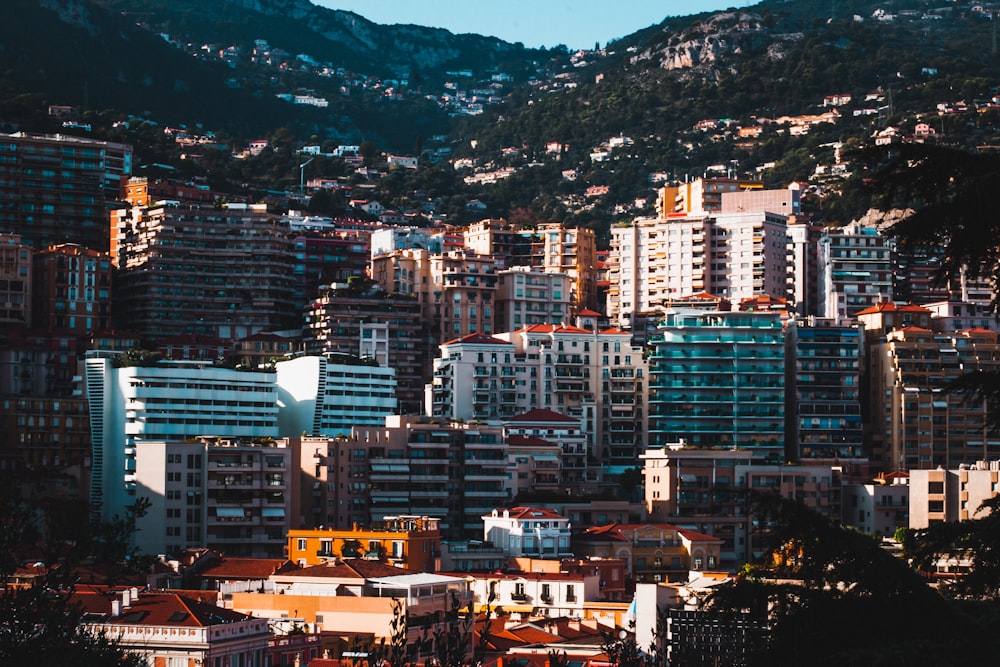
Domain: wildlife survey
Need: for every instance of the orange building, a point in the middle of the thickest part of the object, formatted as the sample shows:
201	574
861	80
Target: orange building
413	542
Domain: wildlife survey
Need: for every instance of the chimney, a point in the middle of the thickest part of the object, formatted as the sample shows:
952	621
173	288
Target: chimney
135	594
116	608
126	599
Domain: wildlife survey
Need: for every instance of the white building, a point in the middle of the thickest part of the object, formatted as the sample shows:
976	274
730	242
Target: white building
855	270
535	593
319	397
528	531
170	629
594	376
172	401
878	508
736	255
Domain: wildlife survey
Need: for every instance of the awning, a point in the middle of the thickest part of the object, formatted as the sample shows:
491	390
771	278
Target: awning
229	512
273	511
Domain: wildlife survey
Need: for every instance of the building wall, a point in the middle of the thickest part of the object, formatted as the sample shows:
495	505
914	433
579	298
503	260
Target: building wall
716	379
319	397
172	401
412	542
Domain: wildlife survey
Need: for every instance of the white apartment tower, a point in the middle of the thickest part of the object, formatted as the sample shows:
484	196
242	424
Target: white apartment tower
736	255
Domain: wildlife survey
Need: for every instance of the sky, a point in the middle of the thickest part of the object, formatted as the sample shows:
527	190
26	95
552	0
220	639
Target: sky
578	24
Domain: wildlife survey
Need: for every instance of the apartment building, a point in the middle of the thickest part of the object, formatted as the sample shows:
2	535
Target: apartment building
455	289
716	379
952	494
855	270
702	490
547	450
653	552
231	495
411	542
916	424
823	390
548	247
373	324
169	402
527	296
15	282
528	532
71	289
595	376
222	272
879	507
735	255
330	396
454	472
54	188
172	629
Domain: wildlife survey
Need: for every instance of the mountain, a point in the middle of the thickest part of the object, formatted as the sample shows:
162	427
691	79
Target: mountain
682	97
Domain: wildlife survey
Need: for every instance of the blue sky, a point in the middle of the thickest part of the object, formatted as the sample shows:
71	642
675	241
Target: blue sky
576	23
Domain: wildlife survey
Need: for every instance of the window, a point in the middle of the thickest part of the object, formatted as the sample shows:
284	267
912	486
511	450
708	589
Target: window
570	593
300	544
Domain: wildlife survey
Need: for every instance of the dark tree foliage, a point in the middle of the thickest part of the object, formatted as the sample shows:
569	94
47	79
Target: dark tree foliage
832	596
949	196
39	624
977	540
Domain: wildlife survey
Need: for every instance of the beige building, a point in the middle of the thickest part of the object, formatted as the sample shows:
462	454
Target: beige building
916	424
952	495
527	296
702	489
455	289
358	597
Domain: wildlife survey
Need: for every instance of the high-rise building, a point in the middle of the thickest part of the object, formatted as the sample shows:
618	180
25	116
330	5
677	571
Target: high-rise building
417	467
527	296
231	495
372	324
571	251
594	376
855	270
15	282
916	423
222	272
952	494
455	289
71	289
54	188
167	402
823	390
735	256
716	379
329	396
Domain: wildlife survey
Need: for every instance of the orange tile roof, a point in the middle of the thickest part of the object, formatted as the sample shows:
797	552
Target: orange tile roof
892	307
247	568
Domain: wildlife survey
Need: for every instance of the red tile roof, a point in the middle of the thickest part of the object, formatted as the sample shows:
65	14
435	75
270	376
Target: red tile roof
891	307
542	415
555	329
532	513
478	339
247	568
170	609
587	312
349	568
